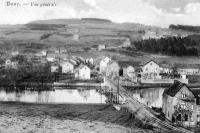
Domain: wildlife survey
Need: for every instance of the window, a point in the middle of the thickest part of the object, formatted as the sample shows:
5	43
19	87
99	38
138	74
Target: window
183	105
183	95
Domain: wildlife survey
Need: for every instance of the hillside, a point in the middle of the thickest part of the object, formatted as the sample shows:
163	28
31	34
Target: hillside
77	34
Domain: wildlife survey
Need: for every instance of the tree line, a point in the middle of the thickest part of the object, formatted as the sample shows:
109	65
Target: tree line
174	46
185	27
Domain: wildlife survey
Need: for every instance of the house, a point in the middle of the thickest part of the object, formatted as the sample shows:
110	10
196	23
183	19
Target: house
180	104
82	72
126	69
166	68
103	64
151	70
15	53
76	37
63	56
89	61
112	69
101	46
126	43
129	71
43	53
188	69
51	57
55	68
67	67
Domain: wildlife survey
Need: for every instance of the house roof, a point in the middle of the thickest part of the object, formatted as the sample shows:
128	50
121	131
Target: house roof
111	62
196	93
81	66
51	55
148	62
175	88
66	61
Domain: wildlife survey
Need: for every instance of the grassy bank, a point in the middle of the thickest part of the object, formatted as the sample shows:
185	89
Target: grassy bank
105	114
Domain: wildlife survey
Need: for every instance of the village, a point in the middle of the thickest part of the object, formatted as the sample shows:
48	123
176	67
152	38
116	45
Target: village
180	103
67	66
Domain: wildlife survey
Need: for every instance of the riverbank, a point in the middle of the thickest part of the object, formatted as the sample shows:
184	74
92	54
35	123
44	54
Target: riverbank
16	117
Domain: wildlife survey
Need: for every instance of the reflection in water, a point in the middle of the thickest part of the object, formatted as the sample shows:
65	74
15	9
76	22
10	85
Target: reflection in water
151	97
57	96
85	94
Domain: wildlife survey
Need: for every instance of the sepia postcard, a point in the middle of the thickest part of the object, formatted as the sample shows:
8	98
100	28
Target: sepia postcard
99	66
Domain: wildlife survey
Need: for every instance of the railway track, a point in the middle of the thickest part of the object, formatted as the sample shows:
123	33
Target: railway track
133	103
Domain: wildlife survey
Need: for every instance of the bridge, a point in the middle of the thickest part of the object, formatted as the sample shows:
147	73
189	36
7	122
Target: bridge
139	110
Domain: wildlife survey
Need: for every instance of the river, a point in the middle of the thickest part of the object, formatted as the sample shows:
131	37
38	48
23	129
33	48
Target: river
58	96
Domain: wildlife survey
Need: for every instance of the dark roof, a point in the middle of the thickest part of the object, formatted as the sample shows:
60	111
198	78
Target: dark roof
175	88
196	93
149	61
128	63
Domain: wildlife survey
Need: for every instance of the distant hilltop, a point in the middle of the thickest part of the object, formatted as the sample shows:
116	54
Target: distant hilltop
185	28
96	20
71	21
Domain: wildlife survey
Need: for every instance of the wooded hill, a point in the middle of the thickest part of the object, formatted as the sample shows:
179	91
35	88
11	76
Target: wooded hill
173	46
185	28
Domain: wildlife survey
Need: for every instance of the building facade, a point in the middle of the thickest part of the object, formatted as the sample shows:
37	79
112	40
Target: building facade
112	69
67	67
103	64
180	105
151	70
83	72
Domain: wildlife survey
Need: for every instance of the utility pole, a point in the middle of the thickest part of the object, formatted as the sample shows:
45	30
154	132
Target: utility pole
118	90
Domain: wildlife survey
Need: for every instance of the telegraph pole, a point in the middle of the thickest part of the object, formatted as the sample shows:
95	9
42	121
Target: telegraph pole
118	91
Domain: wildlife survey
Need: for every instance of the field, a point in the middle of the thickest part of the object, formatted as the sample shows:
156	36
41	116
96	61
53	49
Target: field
39	118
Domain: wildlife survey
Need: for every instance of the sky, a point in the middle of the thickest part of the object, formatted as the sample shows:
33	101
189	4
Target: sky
149	12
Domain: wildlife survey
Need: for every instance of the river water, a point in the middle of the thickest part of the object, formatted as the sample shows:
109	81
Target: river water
57	96
151	97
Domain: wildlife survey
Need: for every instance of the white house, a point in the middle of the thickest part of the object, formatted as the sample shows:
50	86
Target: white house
90	61
43	52
83	72
101	46
166	68
15	53
151	70
129	71
112	69
54	68
67	67
188	69
51	57
126	43
104	63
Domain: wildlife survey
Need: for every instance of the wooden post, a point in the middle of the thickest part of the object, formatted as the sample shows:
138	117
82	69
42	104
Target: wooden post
118	91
